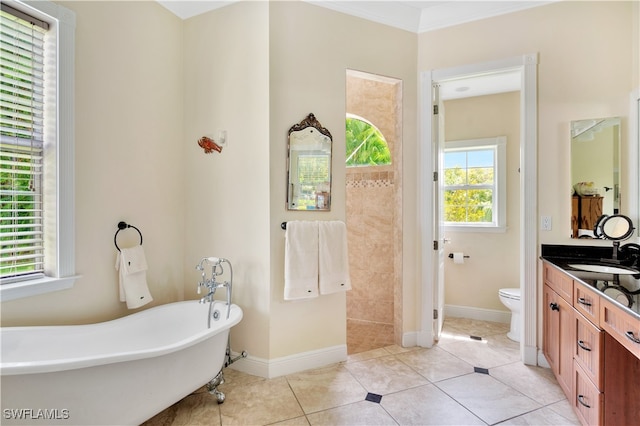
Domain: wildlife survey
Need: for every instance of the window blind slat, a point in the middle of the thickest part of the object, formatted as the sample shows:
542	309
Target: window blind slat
22	139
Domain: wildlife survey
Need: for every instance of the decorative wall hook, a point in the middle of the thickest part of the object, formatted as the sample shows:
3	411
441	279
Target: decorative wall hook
209	145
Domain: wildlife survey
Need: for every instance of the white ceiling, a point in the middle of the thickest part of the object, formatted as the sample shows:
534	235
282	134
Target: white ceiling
410	15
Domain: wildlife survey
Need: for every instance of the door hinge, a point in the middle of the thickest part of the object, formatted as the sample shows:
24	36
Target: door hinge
435	110
435	176
435	314
435	245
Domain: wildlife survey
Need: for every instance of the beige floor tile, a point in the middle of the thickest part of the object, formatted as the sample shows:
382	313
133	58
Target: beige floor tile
542	416
565	410
361	413
259	403
427	405
477	353
298	421
537	383
435	364
196	409
385	375
325	388
362	356
470	327
487	397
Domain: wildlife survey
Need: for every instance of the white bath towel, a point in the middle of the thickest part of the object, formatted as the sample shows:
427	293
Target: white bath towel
301	260
333	257
131	265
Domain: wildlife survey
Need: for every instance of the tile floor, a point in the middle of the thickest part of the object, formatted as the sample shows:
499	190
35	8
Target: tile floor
460	381
364	336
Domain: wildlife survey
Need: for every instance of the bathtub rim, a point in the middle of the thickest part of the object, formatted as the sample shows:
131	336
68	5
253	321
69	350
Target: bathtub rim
56	365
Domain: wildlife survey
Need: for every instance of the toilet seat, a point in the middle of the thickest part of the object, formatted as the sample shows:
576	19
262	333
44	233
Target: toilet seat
510	293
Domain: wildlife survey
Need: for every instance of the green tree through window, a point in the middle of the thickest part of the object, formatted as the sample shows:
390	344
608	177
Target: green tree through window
365	144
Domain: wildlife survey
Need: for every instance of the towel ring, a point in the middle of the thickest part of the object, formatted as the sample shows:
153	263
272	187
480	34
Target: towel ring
121	226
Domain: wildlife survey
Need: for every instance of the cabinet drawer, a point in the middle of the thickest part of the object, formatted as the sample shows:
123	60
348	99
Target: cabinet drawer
621	325
589	349
559	282
588	400
587	302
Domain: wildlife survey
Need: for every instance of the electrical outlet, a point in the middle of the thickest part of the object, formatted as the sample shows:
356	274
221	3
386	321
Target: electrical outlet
545	223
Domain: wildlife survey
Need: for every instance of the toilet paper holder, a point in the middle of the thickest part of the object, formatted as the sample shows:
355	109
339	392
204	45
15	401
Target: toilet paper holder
451	256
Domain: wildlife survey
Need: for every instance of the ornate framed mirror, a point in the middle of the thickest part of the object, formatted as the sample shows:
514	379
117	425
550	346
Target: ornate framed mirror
309	166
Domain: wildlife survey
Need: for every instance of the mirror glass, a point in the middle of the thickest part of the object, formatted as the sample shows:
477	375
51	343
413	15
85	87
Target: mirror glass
595	172
616	227
309	166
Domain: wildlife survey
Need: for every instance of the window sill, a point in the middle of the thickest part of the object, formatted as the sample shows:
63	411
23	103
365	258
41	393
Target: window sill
30	288
488	229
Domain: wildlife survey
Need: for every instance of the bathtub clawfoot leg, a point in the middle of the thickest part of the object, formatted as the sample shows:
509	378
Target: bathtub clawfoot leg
212	387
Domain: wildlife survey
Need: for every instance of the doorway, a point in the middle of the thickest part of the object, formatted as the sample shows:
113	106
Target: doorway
432	294
374	212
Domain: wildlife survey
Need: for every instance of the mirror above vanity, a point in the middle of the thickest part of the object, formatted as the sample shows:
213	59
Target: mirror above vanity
309	166
595	173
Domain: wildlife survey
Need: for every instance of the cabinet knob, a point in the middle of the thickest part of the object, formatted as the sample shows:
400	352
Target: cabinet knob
554	306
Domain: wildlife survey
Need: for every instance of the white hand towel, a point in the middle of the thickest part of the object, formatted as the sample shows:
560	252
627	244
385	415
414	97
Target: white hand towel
131	264
333	257
301	260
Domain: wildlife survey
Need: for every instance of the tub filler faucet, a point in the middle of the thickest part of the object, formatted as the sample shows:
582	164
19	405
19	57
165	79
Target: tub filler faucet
211	285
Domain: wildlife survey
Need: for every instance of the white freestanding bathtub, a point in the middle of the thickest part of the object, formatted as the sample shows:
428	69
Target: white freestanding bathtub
119	372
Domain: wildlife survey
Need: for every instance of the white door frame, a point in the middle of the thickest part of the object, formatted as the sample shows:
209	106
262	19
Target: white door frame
528	66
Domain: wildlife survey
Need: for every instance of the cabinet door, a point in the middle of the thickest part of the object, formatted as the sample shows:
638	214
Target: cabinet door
621	390
559	337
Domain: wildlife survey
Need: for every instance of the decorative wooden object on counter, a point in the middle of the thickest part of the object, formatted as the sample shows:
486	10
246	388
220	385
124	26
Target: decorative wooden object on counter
585	212
593	347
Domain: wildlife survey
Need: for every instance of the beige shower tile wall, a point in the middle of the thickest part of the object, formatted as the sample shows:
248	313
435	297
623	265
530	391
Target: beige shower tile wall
370	225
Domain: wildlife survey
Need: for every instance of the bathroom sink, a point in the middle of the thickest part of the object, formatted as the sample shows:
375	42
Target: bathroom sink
605	269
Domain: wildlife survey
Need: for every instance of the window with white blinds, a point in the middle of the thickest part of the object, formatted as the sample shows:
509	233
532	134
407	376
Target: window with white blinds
22	141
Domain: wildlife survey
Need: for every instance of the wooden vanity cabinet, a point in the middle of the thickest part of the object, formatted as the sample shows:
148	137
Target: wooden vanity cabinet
593	347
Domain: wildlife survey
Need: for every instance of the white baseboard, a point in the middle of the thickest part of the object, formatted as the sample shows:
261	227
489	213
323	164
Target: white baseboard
542	361
410	339
292	363
477	313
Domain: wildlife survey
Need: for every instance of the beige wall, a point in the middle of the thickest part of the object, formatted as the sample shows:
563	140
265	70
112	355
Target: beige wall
129	160
584	71
587	68
494	257
226	87
310	50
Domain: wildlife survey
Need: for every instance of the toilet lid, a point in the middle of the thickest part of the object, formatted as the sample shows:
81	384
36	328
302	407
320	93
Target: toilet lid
511	293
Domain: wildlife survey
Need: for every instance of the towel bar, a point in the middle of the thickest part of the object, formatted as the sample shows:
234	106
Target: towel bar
121	226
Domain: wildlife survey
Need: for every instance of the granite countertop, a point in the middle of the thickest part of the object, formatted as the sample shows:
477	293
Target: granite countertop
623	289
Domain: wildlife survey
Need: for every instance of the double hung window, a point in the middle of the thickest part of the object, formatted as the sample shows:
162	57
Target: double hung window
36	141
474	183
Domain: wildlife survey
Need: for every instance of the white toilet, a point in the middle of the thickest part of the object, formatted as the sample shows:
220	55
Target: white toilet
510	297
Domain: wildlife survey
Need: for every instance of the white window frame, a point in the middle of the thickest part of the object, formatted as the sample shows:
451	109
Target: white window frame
499	145
58	156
